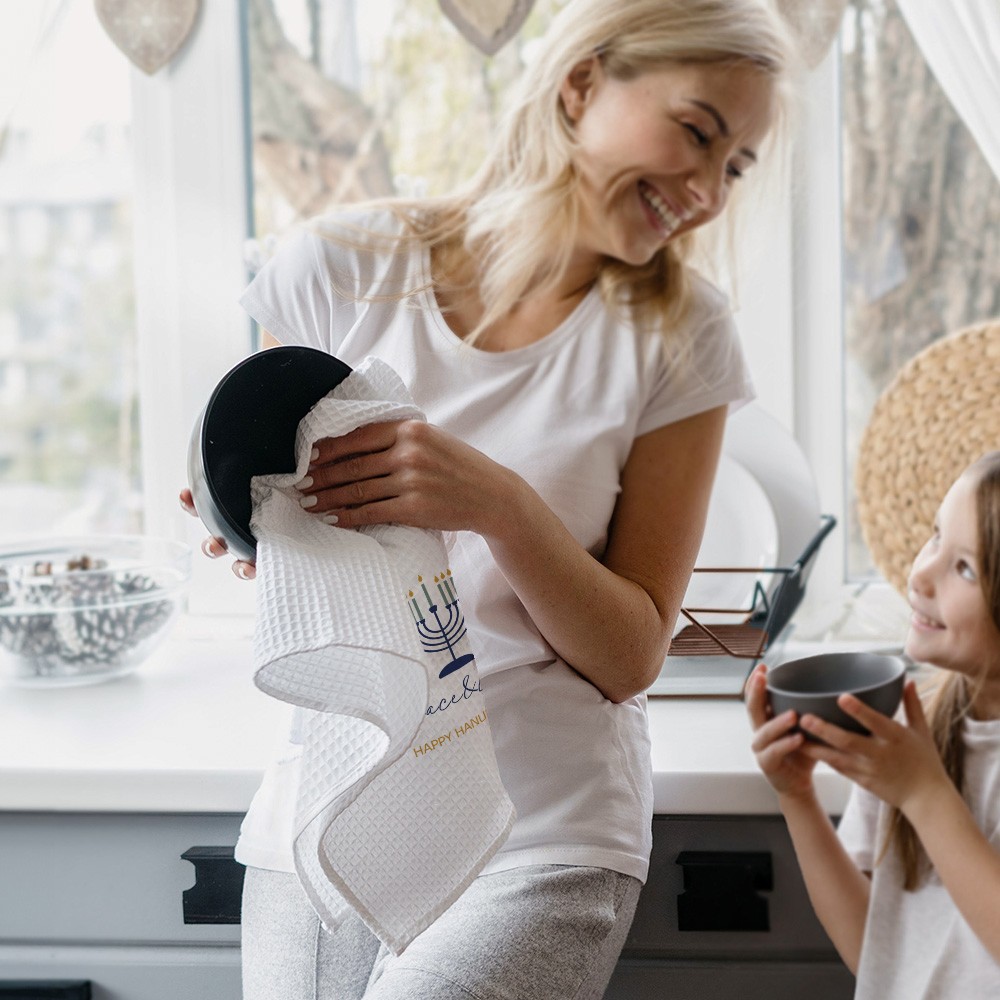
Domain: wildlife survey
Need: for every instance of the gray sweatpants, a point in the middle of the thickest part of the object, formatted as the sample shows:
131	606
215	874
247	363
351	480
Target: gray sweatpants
548	932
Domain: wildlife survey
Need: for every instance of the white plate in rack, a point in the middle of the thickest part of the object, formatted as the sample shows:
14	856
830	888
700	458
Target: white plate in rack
768	450
741	530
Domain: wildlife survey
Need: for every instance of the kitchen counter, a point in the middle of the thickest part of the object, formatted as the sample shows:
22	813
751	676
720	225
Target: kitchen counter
188	732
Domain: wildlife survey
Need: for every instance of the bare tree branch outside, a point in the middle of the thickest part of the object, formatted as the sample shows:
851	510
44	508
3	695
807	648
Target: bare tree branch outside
921	216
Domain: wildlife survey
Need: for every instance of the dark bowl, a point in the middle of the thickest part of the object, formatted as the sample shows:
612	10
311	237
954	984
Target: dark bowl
248	429
814	683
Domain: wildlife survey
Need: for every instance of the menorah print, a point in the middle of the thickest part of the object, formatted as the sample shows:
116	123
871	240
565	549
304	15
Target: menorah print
448	625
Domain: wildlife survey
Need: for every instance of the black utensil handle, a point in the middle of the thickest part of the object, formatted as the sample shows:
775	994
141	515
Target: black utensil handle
721	891
217	892
45	989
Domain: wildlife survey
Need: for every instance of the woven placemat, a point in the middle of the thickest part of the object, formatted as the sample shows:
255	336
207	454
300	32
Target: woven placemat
941	412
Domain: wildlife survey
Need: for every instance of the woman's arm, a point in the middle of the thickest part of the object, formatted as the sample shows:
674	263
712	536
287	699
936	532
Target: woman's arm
900	764
612	620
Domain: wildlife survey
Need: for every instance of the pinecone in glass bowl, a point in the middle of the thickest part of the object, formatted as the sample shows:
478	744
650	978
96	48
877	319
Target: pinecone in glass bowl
82	610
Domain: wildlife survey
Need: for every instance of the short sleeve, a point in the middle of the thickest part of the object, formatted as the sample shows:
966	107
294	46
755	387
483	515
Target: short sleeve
707	369
858	828
293	297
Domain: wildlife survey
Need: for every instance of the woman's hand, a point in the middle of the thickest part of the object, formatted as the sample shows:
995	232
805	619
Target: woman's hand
215	547
900	764
406	472
778	750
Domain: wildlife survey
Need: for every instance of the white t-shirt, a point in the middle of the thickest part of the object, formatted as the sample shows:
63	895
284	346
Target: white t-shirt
917	946
563	413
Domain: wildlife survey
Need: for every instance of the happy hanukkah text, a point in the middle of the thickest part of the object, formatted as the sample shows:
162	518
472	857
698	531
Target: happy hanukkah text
457	733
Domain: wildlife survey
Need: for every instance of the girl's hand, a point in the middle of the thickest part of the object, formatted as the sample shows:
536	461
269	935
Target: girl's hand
897	763
214	547
406	472
778	750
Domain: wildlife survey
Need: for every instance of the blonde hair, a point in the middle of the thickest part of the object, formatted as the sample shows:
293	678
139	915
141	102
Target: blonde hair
954	693
517	217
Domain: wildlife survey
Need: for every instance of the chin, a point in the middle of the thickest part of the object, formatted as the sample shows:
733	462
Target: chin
917	650
638	257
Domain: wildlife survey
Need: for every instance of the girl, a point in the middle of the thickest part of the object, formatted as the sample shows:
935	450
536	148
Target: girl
908	887
576	375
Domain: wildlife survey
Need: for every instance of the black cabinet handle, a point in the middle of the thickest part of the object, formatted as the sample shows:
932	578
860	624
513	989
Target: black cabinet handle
218	886
721	891
44	989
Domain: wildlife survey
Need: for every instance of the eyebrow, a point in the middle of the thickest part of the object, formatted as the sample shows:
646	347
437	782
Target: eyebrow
722	124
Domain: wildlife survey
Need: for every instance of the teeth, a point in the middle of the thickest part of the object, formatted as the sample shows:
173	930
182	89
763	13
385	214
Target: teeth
669	220
924	620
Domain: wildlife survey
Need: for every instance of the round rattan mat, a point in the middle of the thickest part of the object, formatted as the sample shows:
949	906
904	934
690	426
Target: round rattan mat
941	412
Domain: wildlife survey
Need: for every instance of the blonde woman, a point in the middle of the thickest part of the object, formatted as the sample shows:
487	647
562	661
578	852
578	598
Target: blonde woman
576	375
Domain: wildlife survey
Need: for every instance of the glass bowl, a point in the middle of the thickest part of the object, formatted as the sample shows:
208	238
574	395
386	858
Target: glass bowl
83	610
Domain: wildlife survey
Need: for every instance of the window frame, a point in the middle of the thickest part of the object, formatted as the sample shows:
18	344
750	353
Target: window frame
817	281
190	226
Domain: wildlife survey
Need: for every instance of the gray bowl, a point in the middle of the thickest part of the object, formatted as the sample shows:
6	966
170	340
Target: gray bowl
813	684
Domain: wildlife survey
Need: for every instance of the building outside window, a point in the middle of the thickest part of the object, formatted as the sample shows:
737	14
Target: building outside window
69	446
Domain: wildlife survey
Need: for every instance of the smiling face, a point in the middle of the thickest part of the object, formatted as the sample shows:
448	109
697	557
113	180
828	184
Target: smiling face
951	625
658	154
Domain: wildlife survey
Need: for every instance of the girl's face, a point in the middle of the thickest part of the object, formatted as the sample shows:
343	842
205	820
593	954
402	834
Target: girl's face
951	626
658	154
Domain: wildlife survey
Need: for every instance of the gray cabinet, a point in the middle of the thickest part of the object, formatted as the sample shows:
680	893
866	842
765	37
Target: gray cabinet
725	914
100	898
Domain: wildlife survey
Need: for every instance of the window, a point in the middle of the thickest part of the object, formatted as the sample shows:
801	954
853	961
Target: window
354	99
921	233
124	214
896	224
123	254
69	449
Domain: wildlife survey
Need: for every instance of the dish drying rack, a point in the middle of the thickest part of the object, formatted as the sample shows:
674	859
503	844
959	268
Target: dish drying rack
714	659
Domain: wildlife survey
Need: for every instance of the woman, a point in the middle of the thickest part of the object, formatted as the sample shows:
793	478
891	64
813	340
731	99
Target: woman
576	376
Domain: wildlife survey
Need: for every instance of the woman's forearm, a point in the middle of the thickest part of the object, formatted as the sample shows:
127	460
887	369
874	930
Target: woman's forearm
607	627
611	619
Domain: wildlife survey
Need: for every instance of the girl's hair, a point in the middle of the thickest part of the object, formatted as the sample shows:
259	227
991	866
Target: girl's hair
954	694
517	216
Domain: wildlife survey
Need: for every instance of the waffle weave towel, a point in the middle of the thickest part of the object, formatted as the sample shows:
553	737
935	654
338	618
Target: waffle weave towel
400	804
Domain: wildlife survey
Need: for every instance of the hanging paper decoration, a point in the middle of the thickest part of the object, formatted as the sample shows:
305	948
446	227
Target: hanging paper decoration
488	24
149	32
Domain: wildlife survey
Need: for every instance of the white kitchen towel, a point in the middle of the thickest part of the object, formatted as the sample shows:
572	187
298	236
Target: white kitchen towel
400	804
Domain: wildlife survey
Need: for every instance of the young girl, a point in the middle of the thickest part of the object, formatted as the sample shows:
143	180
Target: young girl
908	887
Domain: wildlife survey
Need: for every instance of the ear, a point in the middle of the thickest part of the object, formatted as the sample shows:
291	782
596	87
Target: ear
579	86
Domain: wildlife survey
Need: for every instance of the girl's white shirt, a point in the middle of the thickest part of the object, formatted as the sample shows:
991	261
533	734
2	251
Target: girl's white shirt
917	944
563	413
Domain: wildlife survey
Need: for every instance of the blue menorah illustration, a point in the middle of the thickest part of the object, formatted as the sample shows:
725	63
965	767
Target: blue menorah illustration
443	634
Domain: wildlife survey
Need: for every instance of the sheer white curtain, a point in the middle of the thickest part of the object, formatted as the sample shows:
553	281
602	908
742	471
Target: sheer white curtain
25	26
960	40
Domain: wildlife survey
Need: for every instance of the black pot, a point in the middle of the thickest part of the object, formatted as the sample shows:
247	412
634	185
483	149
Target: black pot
248	429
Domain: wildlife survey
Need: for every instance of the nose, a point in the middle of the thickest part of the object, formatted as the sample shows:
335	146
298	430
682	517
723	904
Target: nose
708	187
921	579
